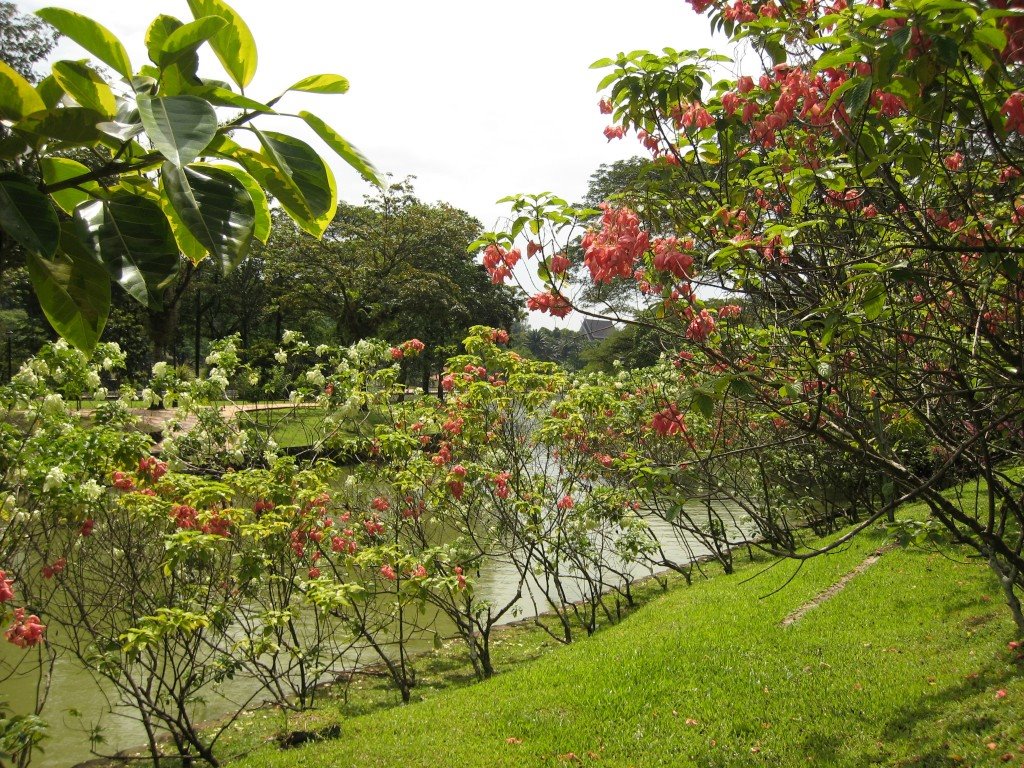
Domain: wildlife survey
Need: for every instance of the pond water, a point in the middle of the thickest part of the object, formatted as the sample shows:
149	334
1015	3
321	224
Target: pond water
78	703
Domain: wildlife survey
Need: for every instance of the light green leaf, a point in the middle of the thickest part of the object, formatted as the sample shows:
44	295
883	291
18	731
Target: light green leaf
180	127
190	248
321	84
161	28
223	97
186	39
234	44
95	38
874	302
131	237
57	169
73	291
84	84
216	209
17	96
345	151
27	216
50	92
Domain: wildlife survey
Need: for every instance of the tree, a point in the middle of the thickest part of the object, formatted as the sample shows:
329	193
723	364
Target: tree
860	199
393	268
25	41
161	184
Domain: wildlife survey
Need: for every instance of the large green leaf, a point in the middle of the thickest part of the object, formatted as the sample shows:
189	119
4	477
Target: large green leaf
84	84
180	127
224	97
27	216
234	45
73	126
131	237
302	183
186	40
261	230
73	290
215	207
17	96
95	38
50	92
345	151
57	169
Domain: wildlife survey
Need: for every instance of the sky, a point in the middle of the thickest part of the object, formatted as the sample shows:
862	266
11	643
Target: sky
477	100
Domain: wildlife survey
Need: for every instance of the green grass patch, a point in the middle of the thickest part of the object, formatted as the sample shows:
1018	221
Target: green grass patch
902	667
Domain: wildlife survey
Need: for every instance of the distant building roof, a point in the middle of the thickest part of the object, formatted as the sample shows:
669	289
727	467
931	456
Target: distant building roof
595	329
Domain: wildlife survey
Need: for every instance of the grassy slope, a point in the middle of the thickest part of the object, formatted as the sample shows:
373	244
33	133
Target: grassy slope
901	667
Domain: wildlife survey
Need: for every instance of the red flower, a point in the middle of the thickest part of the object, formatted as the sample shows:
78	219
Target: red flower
554	303
387	572
613	250
668	421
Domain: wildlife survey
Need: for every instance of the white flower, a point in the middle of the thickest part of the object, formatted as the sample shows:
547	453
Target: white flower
54	478
350	481
315	377
148	397
254	379
60	344
216	376
289	336
53	404
59	375
213	358
322	350
92	379
294	397
100	393
281	356
92	490
160	369
107	364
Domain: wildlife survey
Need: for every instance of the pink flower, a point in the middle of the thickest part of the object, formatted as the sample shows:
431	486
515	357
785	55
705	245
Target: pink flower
419	572
559	263
701	326
87	527
380	504
605	106
457	488
387	572
954	162
566	502
1013	108
396	353
459	577
668	421
314	572
613	250
25	631
1001	694
669	256
548	301
6	587
447	383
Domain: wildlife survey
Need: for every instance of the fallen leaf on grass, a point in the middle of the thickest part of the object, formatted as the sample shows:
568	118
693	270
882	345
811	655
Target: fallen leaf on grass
691	721
513	740
570	757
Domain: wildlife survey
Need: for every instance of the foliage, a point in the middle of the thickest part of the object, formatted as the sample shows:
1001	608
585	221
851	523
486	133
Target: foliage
160	183
854	208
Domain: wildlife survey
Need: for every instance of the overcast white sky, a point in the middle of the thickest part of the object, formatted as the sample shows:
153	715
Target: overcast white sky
477	99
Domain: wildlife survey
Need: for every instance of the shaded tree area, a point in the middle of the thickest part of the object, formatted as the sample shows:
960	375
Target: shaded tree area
551	345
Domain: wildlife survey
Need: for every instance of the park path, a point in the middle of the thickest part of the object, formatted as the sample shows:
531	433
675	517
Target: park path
836	588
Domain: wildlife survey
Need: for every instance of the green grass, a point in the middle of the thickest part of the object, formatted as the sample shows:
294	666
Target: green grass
900	668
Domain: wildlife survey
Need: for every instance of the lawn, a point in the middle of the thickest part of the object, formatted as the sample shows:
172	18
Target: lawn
908	665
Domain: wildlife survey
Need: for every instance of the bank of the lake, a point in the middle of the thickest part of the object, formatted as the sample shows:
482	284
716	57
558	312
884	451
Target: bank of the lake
909	664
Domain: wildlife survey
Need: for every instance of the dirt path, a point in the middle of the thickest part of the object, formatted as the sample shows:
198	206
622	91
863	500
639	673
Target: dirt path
836	588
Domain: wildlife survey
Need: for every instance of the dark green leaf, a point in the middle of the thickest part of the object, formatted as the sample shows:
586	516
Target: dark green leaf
302	182
703	404
216	208
95	38
27	216
73	291
72	125
130	235
180	127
